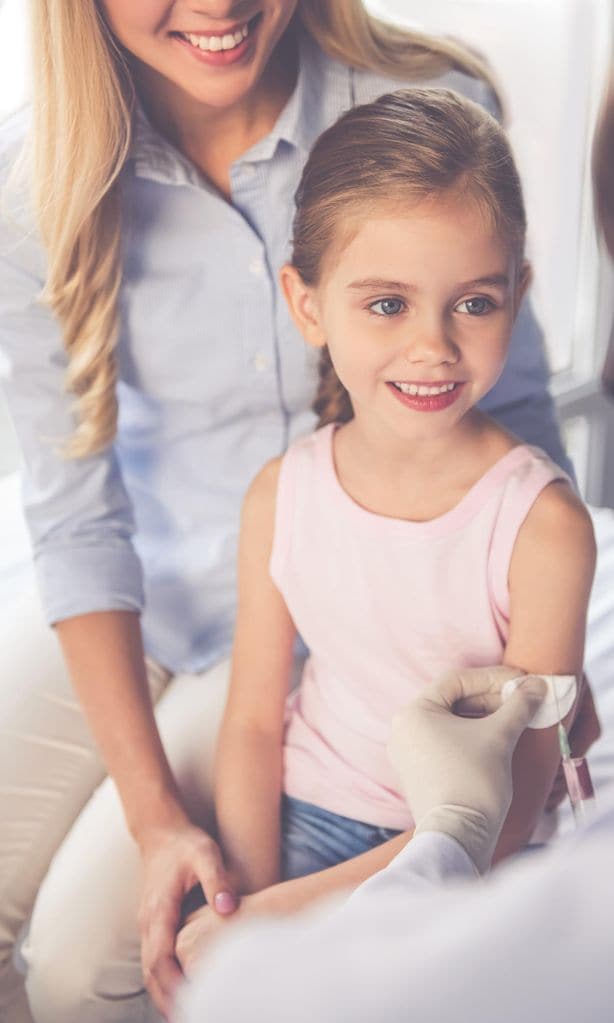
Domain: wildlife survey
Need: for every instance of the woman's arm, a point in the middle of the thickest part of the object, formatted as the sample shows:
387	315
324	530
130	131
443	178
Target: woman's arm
105	659
550	578
249	758
81	522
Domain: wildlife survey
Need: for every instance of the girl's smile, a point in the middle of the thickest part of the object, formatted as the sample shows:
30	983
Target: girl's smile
424	396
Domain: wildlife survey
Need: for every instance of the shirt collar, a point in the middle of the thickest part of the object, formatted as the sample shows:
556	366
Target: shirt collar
322	92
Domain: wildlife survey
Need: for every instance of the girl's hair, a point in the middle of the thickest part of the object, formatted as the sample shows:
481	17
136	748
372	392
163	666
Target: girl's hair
83	98
407	146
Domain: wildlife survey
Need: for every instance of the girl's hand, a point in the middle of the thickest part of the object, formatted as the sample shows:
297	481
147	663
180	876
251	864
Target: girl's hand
174	860
203	926
197	933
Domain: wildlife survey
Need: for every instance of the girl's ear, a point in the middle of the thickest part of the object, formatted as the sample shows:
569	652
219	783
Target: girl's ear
524	280
303	305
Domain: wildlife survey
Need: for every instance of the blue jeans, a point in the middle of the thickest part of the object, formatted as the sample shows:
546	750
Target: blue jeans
313	839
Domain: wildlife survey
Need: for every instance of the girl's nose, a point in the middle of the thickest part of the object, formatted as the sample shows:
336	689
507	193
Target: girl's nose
430	344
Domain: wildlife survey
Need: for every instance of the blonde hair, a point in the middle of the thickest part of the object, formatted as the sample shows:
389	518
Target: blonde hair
405	147
83	99
80	139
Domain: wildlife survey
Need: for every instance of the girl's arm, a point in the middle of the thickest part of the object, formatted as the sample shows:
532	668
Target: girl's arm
550	578
287	897
249	757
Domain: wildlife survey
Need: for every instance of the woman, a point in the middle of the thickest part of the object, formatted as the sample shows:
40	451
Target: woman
166	141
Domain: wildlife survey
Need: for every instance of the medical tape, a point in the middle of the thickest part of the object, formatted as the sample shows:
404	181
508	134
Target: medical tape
558	701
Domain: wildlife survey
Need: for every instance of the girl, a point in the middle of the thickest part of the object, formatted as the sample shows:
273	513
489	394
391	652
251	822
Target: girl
411	534
167	138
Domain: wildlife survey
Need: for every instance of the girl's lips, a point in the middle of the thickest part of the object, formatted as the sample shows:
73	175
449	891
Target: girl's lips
426	402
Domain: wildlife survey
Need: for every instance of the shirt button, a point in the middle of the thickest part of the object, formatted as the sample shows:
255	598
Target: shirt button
260	362
256	267
248	170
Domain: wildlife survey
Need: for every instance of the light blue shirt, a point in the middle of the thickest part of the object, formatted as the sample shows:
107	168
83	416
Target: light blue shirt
214	378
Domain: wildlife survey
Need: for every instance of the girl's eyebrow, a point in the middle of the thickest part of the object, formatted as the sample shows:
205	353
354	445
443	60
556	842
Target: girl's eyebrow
492	280
380	282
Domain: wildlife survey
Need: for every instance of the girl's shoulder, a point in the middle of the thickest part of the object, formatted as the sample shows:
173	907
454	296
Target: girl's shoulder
282	481
557	529
558	518
533	489
263	488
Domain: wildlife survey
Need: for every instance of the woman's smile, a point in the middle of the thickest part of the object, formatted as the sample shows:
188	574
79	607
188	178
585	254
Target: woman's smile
222	47
216	54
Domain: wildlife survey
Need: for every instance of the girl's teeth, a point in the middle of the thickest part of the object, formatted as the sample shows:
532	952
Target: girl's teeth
423	390
215	43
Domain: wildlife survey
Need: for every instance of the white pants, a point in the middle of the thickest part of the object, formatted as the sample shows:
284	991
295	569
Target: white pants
62	827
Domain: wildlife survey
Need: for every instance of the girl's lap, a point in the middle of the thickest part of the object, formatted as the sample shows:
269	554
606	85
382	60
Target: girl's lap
314	839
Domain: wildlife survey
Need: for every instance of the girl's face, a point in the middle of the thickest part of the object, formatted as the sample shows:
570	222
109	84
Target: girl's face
417	312
215	51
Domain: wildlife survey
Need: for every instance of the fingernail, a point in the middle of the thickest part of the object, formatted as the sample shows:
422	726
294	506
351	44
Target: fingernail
225	902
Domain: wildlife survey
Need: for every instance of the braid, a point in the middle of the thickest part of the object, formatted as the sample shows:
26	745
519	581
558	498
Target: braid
332	402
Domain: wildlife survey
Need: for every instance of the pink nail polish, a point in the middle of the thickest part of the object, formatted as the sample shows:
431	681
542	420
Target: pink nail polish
225	902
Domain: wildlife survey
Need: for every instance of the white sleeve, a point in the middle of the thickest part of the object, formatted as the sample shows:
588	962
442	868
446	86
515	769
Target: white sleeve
429	861
534	942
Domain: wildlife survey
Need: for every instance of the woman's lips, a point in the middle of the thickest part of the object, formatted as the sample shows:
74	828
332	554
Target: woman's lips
219	57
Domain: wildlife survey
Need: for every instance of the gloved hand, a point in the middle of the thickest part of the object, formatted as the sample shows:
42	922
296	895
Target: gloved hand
456	772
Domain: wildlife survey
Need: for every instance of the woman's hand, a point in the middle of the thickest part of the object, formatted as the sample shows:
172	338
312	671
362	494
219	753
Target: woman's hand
174	860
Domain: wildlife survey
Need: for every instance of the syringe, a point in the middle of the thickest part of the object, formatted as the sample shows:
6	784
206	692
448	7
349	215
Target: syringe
577	777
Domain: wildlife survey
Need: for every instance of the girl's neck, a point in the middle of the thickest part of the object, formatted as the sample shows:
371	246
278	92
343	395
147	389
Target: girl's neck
213	138
418	480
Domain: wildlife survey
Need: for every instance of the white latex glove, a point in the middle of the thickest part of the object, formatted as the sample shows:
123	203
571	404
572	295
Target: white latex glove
456	772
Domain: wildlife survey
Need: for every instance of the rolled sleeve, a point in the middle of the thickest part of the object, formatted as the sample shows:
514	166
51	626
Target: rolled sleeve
78	511
76	579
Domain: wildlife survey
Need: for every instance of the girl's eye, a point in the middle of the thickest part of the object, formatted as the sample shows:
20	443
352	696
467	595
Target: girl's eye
387	306
475	306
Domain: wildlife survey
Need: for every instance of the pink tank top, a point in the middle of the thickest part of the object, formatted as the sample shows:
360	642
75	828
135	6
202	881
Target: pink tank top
385	606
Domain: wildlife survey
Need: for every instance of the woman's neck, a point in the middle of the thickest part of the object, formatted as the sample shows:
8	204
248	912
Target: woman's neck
213	138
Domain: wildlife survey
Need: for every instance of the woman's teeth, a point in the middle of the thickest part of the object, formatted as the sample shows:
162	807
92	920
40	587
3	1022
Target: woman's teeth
422	389
214	43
